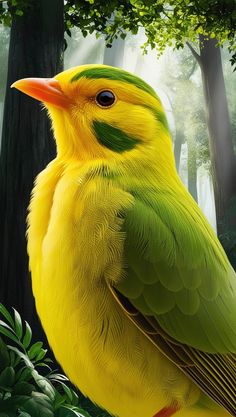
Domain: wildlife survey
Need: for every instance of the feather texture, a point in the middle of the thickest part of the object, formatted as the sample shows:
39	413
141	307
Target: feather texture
201	313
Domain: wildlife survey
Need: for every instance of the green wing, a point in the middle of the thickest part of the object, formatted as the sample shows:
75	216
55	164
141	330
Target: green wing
181	290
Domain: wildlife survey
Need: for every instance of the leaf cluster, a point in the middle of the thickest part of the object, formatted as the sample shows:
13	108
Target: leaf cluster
11	8
100	17
166	23
28	385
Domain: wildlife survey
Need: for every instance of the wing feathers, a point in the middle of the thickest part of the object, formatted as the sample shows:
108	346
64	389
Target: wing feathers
186	290
215	374
188	283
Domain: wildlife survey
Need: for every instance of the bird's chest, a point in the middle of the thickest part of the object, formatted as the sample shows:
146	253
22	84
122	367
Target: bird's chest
70	264
98	347
100	350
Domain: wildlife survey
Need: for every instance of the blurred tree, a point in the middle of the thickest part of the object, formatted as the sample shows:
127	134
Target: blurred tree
231	91
36	45
219	125
4	43
184	92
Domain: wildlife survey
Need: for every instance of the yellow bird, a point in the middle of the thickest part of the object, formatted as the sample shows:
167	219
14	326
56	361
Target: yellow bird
134	291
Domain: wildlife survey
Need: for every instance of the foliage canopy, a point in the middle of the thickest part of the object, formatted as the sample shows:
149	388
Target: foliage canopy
166	23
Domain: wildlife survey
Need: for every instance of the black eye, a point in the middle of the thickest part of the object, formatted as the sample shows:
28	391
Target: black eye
105	98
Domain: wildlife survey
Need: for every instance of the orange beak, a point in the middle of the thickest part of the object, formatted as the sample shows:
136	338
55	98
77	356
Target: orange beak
47	90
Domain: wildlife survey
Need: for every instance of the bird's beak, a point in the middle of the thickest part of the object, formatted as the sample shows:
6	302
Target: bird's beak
47	90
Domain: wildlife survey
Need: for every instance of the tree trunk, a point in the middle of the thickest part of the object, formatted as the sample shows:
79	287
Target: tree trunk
115	55
220	134
36	50
177	147
192	168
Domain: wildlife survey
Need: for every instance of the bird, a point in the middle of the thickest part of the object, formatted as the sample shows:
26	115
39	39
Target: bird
133	288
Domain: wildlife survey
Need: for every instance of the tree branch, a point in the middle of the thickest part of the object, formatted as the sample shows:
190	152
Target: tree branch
195	54
191	71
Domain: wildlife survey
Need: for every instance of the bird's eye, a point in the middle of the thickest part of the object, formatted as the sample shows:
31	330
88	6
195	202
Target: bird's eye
105	98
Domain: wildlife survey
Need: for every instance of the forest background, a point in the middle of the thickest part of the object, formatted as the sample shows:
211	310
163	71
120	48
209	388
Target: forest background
185	50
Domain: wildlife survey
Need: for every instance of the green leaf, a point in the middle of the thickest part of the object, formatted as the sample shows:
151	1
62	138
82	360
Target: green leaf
45	386
19	12
41	355
35	349
75	400
58	377
13	403
58	400
22	356
7	20
44	365
7	377
39	405
4	355
71	395
23	388
66	411
7	315
18	324
9	334
2	323
67	391
28	335
24	374
14	359
48	360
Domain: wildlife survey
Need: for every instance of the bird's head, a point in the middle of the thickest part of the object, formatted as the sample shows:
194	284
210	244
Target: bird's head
102	112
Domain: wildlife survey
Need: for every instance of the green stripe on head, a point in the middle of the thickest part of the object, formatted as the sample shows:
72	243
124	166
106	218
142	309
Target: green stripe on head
160	117
115	74
113	138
